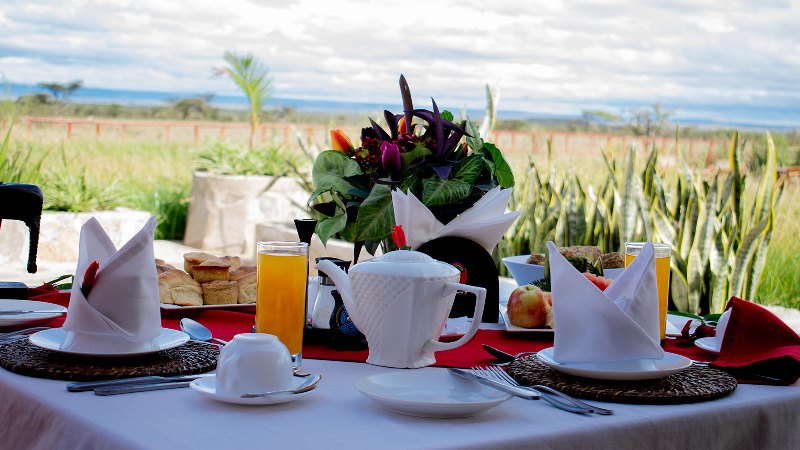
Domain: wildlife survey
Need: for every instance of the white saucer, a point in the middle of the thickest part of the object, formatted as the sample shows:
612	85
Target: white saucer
676	323
208	387
709	344
430	393
640	369
53	339
27	305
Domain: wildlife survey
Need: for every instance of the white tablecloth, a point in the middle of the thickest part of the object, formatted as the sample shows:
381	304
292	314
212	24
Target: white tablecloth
38	413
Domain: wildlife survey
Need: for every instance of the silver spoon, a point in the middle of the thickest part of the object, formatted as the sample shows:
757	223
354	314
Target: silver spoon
198	331
307	385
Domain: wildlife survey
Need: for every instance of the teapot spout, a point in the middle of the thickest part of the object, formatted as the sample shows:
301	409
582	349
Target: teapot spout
342	282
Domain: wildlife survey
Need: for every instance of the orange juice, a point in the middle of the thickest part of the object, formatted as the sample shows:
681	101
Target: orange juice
662	252
281	296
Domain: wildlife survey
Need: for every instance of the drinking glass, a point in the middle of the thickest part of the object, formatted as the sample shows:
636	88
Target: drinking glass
662	254
281	292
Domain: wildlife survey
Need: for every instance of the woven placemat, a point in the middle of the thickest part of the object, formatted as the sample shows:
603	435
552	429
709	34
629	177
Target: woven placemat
695	384
24	358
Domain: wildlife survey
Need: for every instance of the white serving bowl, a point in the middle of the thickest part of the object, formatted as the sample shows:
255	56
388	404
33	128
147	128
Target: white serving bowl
523	272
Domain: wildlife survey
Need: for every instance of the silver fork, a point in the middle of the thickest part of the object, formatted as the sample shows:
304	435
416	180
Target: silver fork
14	336
484	372
503	375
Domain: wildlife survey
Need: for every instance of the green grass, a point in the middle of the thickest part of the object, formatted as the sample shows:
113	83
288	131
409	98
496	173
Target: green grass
150	175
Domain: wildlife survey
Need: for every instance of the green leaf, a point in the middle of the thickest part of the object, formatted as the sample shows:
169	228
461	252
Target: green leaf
436	191
446	115
327	228
503	172
474	142
376	215
743	256
469	169
408	157
330	170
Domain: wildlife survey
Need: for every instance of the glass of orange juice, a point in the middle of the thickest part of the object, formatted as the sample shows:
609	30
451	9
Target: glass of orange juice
281	292
662	254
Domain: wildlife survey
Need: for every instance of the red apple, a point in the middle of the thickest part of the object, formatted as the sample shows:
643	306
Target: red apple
528	306
600	282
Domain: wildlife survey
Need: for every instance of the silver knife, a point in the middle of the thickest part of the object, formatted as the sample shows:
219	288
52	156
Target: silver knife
519	392
16	312
91	385
128	389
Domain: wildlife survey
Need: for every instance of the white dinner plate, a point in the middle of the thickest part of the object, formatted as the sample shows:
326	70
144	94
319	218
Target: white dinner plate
709	344
430	393
27	305
208	387
53	339
640	369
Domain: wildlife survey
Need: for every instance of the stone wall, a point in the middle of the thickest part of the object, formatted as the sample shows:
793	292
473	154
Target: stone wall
60	234
225	210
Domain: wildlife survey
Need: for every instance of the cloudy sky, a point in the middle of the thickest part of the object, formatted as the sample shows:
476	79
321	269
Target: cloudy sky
724	58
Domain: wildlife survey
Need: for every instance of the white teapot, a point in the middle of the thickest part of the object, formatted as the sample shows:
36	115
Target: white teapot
400	301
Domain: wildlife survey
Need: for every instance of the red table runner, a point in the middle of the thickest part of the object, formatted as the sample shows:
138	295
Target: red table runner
226	324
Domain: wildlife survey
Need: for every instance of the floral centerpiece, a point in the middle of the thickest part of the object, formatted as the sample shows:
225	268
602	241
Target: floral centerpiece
447	165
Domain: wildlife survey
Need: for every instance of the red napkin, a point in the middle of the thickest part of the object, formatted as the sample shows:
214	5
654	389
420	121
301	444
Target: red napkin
758	347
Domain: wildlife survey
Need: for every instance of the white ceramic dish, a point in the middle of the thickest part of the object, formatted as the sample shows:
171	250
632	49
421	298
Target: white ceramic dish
642	369
27	305
523	272
515	329
166	307
208	387
709	344
676	323
53	339
430	393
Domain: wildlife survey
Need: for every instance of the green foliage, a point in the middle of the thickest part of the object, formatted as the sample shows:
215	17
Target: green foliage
17	166
224	160
169	204
719	236
75	191
252	77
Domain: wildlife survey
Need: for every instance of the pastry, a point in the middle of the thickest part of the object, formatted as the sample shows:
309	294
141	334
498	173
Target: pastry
536	258
211	270
178	288
589	253
192	259
614	260
234	261
247	288
220	292
240	272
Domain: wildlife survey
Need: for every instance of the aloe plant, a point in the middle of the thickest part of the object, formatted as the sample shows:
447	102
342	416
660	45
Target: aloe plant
719	240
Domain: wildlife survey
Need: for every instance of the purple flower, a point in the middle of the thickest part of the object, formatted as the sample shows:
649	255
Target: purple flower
390	155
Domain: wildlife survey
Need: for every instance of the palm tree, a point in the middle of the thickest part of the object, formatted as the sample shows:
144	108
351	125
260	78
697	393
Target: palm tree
252	77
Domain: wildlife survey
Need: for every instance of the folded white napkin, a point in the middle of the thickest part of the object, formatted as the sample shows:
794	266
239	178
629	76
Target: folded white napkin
620	323
485	222
122	312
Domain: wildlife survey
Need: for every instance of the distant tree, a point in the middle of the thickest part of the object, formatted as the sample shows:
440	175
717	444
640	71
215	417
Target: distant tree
62	92
252	77
596	118
192	105
649	122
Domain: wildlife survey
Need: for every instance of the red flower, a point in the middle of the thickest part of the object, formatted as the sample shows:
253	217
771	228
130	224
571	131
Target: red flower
399	237
89	278
340	142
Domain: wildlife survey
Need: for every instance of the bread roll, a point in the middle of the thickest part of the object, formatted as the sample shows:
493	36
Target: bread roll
211	270
237	274
247	288
192	259
219	292
233	261
537	259
613	260
178	288
589	253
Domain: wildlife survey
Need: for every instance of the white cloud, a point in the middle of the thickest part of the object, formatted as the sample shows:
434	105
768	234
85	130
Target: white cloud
542	54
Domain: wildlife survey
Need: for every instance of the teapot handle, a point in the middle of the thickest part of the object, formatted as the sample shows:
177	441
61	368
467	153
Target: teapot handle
480	299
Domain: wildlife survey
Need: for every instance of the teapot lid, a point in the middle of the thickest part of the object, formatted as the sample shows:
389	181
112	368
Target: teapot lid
406	263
